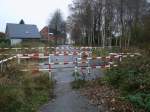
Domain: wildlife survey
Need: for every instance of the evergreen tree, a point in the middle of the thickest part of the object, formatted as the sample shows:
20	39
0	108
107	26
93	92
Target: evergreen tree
21	21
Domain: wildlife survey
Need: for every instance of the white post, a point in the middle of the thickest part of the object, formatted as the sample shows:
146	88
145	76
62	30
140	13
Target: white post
49	64
18	57
42	49
16	50
89	67
75	71
49	59
80	54
50	75
120	58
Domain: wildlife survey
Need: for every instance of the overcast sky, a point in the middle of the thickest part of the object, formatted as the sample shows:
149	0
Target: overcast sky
32	11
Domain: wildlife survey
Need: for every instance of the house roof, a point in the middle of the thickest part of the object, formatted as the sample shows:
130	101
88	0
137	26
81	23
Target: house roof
22	31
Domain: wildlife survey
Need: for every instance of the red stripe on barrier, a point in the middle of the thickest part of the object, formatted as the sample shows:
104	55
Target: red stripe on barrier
35	57
93	66
83	62
49	66
66	54
75	53
65	63
74	62
35	71
102	66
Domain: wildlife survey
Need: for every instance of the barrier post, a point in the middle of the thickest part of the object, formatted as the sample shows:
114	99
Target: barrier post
75	71
50	75
120	58
16	50
89	72
90	52
80	55
18	57
76	61
49	67
65	61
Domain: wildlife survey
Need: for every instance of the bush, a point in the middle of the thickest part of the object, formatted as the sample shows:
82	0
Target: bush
4	43
43	82
11	99
22	92
131	74
140	100
132	78
100	52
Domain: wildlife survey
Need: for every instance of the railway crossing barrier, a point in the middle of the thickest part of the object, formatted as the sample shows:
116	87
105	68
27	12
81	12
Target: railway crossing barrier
67	53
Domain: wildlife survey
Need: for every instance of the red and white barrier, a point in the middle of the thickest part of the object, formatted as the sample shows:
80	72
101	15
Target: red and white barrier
76	68
8	59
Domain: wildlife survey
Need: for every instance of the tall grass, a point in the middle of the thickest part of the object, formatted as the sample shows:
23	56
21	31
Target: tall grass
20	92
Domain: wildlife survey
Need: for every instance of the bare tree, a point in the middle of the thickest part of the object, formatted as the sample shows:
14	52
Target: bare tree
108	22
57	25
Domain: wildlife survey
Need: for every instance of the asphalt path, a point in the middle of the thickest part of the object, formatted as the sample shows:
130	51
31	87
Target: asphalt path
67	99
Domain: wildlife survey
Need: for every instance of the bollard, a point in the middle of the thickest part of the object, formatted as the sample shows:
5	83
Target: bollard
50	75
49	67
120	58
49	59
89	72
18	57
75	71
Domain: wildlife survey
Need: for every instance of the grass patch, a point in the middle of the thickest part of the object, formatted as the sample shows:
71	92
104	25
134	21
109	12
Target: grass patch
20	92
79	81
77	84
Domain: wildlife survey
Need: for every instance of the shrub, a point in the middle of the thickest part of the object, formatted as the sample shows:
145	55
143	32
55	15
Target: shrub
22	92
4	43
131	75
132	78
43	82
11	99
100	52
140	100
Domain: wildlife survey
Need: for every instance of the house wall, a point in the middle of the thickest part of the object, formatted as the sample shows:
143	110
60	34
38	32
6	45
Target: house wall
44	33
15	41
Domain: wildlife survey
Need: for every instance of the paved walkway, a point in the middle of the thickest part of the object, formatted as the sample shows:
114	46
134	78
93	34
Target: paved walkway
67	100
